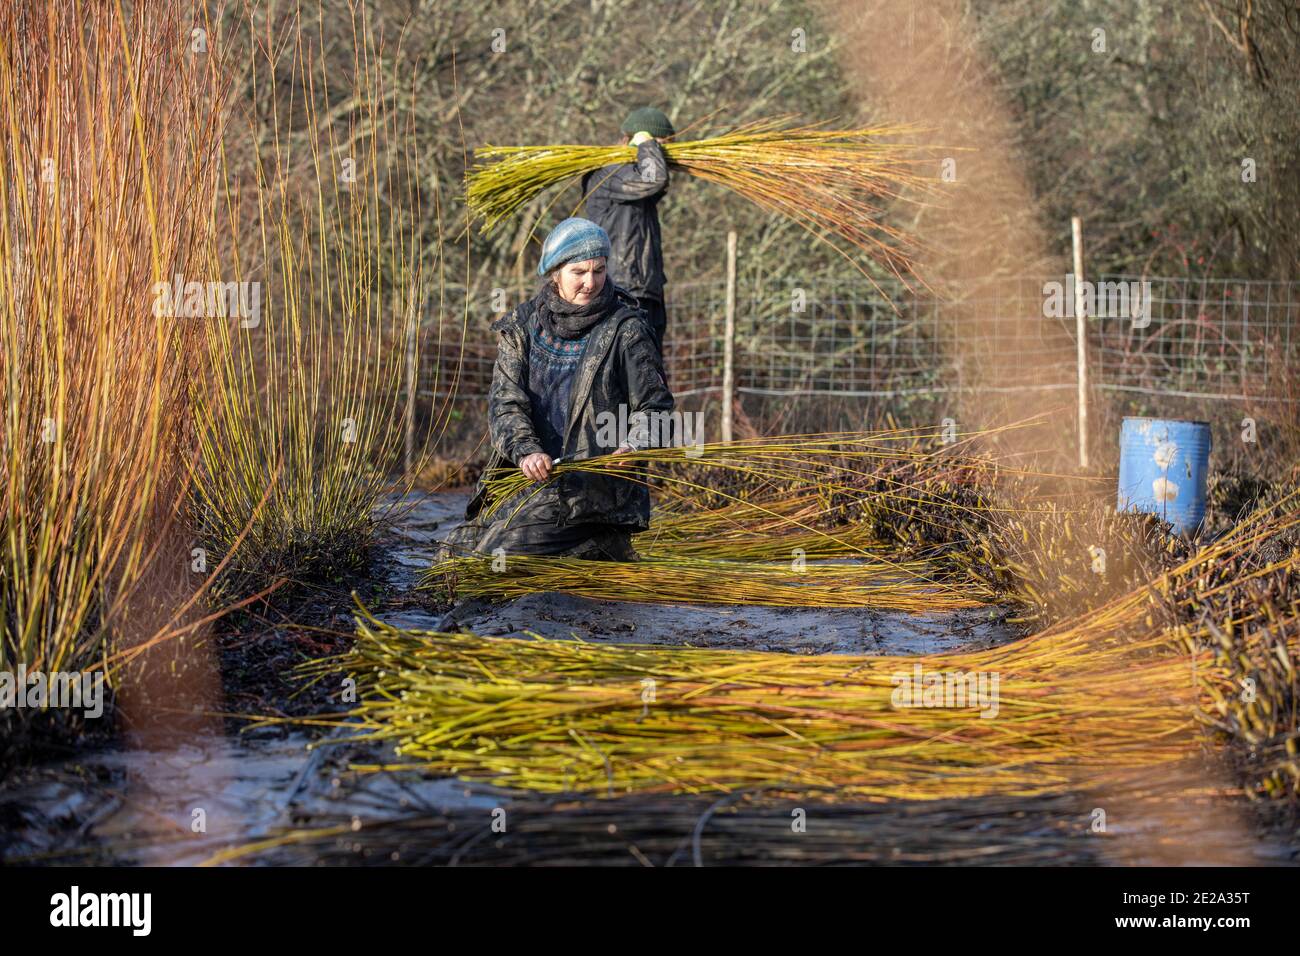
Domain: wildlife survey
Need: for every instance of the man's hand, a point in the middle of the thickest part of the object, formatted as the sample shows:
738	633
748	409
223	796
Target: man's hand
536	466
624	449
640	138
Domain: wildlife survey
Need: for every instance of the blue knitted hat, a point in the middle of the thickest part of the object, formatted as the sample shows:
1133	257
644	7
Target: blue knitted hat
574	240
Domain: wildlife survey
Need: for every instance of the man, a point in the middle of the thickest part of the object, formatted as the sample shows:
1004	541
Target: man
623	199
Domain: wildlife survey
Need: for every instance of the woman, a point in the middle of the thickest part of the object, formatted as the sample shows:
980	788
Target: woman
576	357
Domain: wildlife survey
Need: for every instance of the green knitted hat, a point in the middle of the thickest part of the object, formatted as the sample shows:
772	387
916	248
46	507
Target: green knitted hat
649	119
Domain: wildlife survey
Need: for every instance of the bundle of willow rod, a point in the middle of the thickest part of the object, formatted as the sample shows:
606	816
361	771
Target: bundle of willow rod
829	464
788	484
756	528
668	539
1247	611
558	716
907	586
809	515
826	180
784	496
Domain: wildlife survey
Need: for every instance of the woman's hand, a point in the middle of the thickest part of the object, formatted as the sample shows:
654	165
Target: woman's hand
536	466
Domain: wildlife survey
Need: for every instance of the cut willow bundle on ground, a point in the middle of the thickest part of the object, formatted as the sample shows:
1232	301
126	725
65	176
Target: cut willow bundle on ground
757	528
739	544
564	716
828	181
1246	610
910	586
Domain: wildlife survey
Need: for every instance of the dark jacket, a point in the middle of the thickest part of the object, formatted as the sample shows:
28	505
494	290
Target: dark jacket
620	365
623	199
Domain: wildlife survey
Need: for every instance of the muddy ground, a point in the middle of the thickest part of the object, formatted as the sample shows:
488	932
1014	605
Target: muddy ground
131	803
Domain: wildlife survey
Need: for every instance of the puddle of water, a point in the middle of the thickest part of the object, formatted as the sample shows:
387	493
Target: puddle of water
426	520
155	807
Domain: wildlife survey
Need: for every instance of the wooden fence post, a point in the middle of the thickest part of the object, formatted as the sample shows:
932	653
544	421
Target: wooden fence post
1081	335
729	341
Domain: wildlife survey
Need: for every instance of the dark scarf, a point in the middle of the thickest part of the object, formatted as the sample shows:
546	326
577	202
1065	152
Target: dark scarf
566	320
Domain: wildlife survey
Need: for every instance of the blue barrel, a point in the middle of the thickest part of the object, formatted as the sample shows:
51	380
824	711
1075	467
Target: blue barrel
1162	469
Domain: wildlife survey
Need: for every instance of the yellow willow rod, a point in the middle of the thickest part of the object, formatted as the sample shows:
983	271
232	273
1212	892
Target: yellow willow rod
681	581
825	180
513	483
718	742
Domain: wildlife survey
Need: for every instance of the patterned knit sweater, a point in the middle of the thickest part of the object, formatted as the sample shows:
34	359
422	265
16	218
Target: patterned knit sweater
552	367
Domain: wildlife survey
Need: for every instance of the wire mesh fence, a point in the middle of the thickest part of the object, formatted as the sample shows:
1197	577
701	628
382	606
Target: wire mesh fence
1193	337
